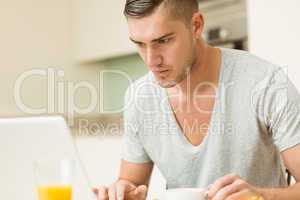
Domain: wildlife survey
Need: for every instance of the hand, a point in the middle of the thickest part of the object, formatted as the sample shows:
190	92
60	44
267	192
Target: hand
232	187
122	190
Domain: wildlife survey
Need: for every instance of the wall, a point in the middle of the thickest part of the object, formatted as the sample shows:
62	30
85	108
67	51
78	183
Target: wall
38	35
34	34
41	34
115	84
95	22
274	33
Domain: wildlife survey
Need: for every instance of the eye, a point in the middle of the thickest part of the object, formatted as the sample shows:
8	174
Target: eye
164	41
140	45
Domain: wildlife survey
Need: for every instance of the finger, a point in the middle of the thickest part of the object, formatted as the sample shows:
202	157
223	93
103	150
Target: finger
230	189
220	183
102	193
140	193
95	190
244	195
123	188
120	191
112	192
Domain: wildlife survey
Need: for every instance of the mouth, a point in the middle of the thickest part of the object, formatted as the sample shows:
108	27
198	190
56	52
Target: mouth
163	73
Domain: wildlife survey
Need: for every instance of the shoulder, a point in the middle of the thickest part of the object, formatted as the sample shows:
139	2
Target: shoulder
144	95
245	66
145	86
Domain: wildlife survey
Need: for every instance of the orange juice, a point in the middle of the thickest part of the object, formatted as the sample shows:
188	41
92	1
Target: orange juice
54	192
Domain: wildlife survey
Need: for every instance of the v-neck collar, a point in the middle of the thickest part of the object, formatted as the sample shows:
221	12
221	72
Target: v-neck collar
180	135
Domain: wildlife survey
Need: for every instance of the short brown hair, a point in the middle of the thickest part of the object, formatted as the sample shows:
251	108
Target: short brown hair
176	8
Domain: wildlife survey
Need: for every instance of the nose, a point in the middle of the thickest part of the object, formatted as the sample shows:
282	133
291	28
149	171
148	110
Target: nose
153	59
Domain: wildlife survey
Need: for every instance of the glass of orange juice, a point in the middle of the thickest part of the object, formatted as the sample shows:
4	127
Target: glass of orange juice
54	179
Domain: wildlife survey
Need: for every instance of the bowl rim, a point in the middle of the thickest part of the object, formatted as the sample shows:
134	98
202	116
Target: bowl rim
185	189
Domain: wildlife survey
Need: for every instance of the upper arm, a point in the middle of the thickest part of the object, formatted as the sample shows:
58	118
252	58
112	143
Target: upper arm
136	164
291	159
137	173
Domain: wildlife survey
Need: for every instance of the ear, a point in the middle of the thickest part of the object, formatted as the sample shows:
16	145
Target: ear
197	24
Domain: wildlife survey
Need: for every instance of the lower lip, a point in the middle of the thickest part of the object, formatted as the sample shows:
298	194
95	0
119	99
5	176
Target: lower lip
164	73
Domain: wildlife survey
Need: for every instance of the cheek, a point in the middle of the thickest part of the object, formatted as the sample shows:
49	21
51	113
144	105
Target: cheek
177	56
173	55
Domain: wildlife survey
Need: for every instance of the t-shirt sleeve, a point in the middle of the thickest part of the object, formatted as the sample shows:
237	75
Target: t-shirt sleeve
132	147
283	110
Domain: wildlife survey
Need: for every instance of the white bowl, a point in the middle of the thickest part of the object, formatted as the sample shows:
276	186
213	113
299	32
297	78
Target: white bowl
185	194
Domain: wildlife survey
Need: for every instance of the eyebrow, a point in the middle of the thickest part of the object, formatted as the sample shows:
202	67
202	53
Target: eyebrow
154	40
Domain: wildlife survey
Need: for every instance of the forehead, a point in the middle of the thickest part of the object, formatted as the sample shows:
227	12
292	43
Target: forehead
151	27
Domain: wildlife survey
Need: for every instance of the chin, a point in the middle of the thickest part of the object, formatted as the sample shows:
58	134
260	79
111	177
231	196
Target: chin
171	82
166	83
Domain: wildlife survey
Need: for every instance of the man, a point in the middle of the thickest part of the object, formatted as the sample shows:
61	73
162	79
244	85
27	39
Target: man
206	117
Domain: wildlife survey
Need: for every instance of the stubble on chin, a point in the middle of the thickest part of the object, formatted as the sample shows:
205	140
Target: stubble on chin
167	83
184	74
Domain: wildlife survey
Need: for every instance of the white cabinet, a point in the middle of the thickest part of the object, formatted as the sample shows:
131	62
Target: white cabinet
100	30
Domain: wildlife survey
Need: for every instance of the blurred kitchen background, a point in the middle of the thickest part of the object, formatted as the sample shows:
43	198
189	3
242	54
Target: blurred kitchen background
74	58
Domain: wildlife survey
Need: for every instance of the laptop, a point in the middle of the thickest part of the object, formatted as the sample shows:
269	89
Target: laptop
25	140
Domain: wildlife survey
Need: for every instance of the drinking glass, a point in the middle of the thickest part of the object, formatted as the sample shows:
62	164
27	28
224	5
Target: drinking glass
54	179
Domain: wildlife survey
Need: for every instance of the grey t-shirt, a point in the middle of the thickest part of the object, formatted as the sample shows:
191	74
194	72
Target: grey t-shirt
255	117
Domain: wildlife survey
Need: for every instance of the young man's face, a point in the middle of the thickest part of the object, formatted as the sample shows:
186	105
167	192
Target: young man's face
166	46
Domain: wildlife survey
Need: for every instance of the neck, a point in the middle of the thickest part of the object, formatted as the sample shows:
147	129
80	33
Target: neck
204	74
